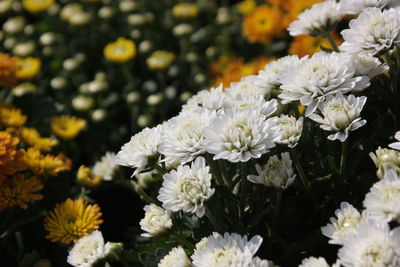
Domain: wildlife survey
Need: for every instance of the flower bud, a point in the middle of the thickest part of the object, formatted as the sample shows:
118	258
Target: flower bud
145	46
106	12
155	99
182	29
24	49
133	97
144	120
58	83
128	6
99	115
82	103
47	38
14	25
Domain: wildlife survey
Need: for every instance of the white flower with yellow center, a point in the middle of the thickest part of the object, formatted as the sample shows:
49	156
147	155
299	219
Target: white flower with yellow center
214	99
142	148
88	250
276	173
175	258
318	20
340	115
156	221
385	160
382	203
240	136
229	250
372	246
323	75
106	166
247	87
187	188
291	130
257	103
373	32
183	137
344	225
268	78
354	7
368	66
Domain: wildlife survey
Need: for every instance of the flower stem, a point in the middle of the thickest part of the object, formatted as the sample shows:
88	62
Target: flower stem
332	42
343	158
213	220
183	241
300	170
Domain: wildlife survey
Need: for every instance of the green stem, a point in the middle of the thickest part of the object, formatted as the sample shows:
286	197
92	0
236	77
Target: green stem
332	42
213	220
181	239
343	158
127	74
300	170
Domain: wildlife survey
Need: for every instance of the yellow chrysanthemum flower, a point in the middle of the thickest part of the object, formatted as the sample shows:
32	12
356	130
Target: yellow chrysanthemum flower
28	67
307	45
18	191
47	164
120	51
160	60
67	127
36	6
31	137
8	69
11	158
185	10
87	177
263	24
72	220
246	7
11	117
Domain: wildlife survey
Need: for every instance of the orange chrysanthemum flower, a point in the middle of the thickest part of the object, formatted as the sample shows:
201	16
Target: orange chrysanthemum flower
11	158
67	127
8	69
46	164
18	191
293	8
87	177
307	45
71	220
263	24
234	70
11	117
31	137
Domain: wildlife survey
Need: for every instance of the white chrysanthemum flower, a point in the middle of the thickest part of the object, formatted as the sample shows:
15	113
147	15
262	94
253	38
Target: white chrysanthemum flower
291	130
175	258
314	262
368	66
354	7
257	262
372	246
269	77
257	103
140	149
214	99
187	188
396	145
240	136
246	87
385	160
344	225
373	32
88	249
183	137
382	203
277	172
321	76
229	250
106	166
340	115
156	221
318	20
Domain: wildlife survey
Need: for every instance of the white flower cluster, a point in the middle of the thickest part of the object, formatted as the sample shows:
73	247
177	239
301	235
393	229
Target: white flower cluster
366	238
156	221
88	250
105	167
